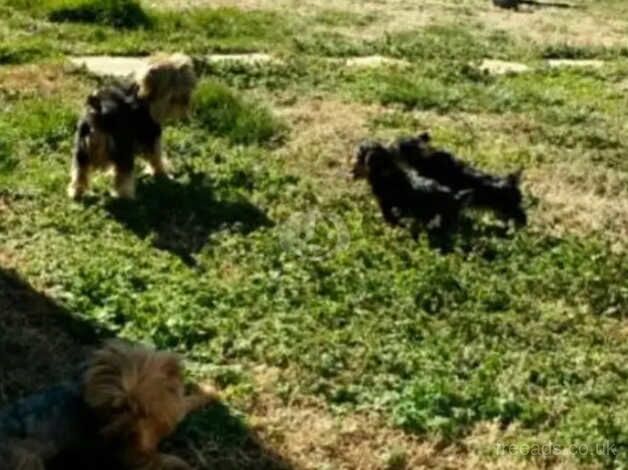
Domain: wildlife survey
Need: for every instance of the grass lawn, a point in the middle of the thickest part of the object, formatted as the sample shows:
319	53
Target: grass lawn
339	343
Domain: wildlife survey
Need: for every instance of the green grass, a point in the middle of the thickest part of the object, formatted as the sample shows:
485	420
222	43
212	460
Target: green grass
118	27
220	111
253	255
116	13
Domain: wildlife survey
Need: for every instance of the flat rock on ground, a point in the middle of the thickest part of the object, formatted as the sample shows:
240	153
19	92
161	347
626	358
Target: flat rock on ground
108	65
502	67
125	66
575	63
375	61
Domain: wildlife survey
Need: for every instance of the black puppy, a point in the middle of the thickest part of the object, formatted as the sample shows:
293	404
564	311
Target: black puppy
500	194
402	193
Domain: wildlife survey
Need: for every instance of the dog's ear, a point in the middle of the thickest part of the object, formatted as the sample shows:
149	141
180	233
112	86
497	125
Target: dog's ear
425	137
515	177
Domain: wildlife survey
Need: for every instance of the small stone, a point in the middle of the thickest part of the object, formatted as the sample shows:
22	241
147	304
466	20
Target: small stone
502	67
375	61
575	63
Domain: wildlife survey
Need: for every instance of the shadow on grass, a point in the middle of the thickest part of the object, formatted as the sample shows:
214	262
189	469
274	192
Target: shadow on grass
181	216
42	344
469	235
218	438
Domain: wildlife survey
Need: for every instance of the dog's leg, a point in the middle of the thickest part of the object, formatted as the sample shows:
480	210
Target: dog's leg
79	173
158	166
389	214
124	182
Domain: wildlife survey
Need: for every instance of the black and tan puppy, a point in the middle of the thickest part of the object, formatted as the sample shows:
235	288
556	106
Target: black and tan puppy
402	193
114	415
499	194
121	121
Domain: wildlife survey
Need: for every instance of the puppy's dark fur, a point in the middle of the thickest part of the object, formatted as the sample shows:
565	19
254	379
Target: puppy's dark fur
402	193
500	194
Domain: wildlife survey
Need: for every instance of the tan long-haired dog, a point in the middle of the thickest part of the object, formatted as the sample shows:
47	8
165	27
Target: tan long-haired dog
127	401
123	120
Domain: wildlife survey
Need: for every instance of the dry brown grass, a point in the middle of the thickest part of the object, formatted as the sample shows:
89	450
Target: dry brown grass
304	431
580	27
591	25
324	132
579	199
40	80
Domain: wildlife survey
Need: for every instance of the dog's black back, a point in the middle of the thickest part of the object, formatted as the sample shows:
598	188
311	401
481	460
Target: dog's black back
401	192
501	194
117	111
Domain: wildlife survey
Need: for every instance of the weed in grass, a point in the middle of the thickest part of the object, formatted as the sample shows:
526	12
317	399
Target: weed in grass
340	18
115	13
25	50
8	159
220	111
113	28
40	123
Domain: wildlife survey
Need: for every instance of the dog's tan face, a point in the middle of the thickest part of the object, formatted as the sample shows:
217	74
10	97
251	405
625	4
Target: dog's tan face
167	84
137	393
160	407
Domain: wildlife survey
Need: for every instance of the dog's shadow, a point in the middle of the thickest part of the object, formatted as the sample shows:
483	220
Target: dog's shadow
220	438
470	235
179	215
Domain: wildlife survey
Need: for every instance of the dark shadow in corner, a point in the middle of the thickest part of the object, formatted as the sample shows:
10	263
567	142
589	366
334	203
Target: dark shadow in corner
218	438
42	344
469	235
181	216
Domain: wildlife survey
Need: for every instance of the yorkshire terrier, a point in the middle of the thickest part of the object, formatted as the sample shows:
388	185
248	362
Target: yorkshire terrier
501	194
126	119
125	402
402	193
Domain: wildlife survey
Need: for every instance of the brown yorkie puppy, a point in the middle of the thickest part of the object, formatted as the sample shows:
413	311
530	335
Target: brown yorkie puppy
123	120
128	399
